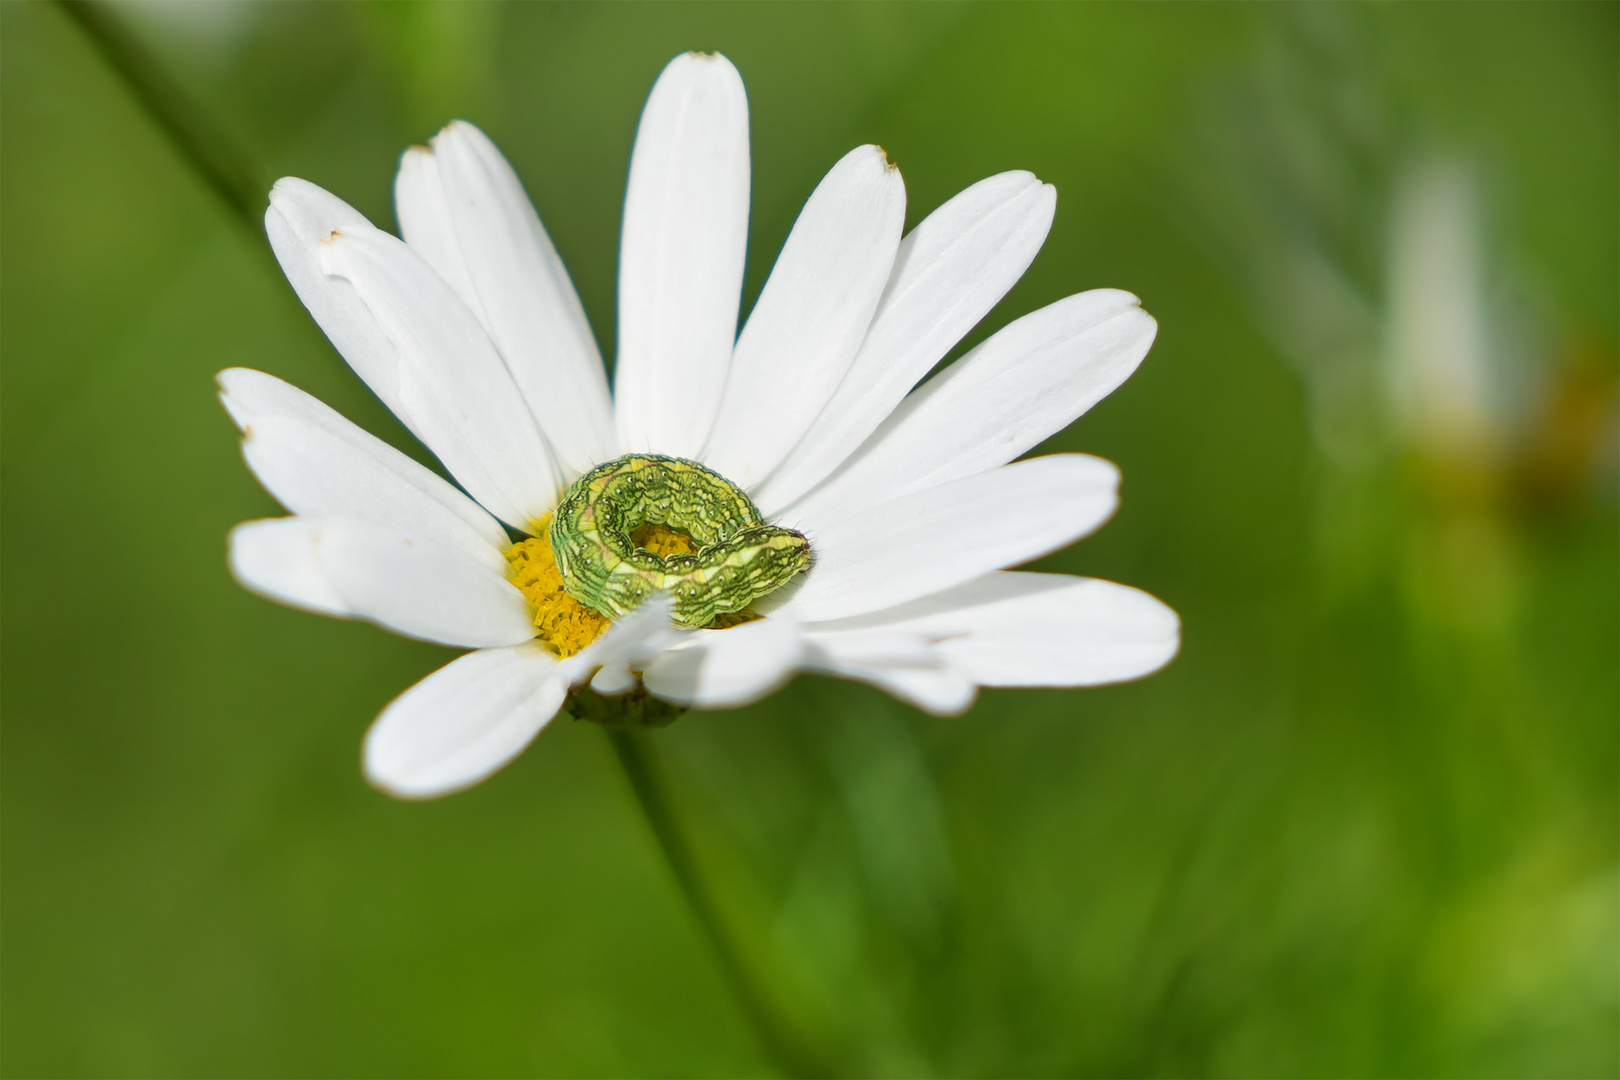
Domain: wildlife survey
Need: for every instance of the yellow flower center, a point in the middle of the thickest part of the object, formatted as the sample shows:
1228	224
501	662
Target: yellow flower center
563	624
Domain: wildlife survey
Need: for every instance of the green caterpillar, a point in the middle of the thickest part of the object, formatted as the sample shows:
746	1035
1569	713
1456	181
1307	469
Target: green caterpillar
739	558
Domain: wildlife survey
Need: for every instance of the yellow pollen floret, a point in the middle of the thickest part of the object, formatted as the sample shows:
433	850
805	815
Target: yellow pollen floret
661	540
563	624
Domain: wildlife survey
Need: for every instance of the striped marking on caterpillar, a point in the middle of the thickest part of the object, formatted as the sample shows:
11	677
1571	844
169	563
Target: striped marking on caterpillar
738	557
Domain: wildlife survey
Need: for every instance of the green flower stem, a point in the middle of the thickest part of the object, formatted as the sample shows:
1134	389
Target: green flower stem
652	792
210	152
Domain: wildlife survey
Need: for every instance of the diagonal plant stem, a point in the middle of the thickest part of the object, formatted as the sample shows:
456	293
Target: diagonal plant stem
223	165
652	792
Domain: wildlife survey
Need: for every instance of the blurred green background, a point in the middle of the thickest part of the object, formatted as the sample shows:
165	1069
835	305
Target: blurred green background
1365	824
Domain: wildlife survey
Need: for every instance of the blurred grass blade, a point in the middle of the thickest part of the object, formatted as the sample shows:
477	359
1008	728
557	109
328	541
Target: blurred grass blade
223	165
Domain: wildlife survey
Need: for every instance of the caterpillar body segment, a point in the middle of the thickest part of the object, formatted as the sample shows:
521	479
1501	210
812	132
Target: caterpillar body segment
739	558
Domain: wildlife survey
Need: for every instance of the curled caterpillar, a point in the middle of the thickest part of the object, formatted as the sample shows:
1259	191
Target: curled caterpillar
739	558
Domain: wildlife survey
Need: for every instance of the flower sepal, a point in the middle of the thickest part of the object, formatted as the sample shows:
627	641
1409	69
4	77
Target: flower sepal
637	709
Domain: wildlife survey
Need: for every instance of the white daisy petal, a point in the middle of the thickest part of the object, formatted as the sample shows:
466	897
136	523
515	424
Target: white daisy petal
950	271
681	256
945	614
931	540
1089	633
811	316
453	384
899	646
722	669
461	205
418	347
316	463
1022	629
409	584
1029	381
463	722
417	587
276	559
904	665
627	647
427	224
941	690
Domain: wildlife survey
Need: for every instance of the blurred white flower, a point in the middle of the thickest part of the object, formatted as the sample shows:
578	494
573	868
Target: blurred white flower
470	331
1439	335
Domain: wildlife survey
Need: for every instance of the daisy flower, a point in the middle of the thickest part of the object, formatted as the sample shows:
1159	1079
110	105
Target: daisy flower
906	501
